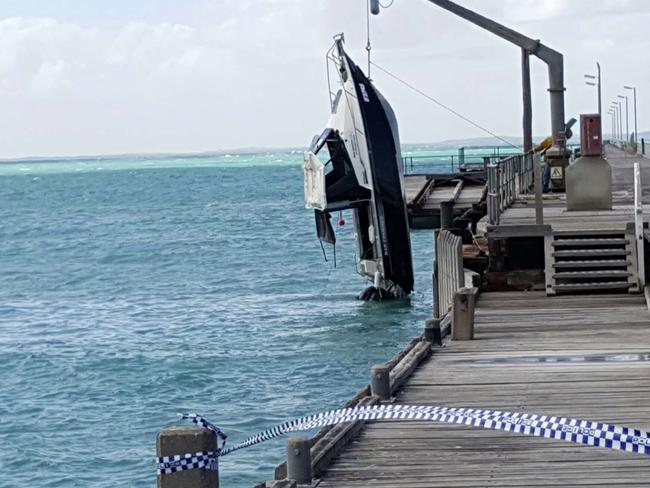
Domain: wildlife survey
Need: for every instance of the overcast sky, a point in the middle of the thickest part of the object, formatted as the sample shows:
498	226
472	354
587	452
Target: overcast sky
124	76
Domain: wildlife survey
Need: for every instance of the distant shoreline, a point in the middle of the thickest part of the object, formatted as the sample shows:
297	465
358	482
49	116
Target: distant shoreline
451	145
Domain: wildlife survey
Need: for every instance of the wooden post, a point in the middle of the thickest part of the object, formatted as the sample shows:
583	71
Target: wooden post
432	332
462	326
187	440
299	460
447	214
380	382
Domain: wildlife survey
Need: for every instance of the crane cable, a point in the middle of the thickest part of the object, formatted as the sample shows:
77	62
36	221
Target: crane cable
417	90
442	105
368	45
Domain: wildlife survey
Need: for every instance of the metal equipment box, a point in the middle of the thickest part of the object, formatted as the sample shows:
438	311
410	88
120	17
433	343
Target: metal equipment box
591	143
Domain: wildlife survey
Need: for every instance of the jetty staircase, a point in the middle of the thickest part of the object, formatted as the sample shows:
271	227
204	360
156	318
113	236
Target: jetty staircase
589	260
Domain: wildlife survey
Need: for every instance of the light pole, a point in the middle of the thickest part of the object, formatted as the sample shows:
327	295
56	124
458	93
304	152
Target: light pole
619	114
597	83
613	117
636	127
615	106
627	117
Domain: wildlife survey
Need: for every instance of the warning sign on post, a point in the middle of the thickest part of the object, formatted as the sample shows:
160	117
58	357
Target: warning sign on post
557	172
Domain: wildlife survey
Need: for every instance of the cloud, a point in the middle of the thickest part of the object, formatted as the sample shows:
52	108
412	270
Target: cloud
230	73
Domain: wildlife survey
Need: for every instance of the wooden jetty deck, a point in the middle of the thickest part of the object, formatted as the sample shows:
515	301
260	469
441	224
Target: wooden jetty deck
425	193
579	350
583	357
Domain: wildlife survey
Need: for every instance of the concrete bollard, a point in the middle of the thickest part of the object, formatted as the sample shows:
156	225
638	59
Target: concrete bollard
380	382
299	460
432	332
447	214
462	325
187	440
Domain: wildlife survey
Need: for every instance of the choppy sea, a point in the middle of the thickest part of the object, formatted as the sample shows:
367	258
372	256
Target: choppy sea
132	289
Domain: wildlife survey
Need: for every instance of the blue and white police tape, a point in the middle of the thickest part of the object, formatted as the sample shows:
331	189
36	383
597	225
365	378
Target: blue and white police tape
183	462
596	434
200	460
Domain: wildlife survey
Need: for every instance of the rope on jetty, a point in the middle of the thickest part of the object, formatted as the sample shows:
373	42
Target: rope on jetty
595	434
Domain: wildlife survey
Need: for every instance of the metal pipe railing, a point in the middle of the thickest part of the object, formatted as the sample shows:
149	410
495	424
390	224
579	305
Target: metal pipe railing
639	233
446	163
506	180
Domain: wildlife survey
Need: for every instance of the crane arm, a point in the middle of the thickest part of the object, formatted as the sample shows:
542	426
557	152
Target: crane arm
552	58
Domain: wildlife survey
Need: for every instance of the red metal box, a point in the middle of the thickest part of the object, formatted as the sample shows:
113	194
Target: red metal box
591	143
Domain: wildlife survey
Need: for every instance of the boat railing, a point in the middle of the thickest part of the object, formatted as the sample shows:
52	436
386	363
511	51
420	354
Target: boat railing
506	179
448	272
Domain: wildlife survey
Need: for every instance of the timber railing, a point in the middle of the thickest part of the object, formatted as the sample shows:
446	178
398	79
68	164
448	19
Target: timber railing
506	179
448	272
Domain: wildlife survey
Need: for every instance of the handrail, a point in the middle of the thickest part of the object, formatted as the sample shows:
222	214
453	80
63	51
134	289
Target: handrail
638	224
506	180
448	271
443	163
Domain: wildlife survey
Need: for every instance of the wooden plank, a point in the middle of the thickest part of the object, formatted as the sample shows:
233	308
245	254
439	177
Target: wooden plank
578	356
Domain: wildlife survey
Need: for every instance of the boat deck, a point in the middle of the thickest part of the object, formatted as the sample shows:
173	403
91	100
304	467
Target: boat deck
579	356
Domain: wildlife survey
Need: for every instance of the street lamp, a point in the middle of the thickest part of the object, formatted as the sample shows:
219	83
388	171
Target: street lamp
619	117
636	127
613	114
627	117
616	106
597	83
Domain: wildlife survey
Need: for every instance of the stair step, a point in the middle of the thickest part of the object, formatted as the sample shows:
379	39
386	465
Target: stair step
605	263
575	234
591	274
590	253
590	242
607	285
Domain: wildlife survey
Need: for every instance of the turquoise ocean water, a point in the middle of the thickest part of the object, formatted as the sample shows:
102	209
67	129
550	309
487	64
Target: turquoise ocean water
135	288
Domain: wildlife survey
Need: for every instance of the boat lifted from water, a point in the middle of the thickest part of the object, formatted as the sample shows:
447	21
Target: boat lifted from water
363	173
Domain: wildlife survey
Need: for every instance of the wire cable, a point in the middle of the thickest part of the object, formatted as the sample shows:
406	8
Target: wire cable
368	45
440	104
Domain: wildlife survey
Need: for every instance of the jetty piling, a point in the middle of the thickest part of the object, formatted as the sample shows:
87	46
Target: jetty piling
299	460
177	441
380	382
462	325
432	333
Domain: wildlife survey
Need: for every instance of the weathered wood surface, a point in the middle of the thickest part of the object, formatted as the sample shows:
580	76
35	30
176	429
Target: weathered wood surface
578	356
414	184
466	197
